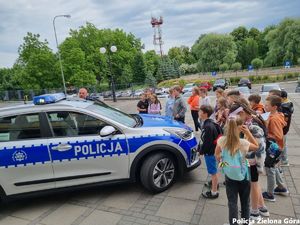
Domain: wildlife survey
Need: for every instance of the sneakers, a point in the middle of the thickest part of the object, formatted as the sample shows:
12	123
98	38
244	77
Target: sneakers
255	216
281	191
284	163
268	197
209	184
209	195
263	211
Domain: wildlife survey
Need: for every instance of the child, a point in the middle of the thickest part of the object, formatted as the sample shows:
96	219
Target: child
233	96
222	113
275	125
230	152
256	159
179	108
193	101
143	104
154	106
287	108
170	104
255	103
210	133
205	100
219	94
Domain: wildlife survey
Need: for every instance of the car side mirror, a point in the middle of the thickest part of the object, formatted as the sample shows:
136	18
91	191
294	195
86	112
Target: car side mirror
107	131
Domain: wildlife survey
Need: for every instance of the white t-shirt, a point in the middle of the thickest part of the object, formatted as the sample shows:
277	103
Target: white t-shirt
204	101
244	144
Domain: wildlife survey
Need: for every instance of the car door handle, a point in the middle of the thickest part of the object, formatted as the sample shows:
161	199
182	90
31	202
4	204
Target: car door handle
62	147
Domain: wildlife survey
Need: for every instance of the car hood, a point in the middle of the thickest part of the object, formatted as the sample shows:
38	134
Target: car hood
161	121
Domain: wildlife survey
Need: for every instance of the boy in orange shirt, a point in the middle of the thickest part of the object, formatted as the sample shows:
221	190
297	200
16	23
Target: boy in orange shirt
275	125
255	104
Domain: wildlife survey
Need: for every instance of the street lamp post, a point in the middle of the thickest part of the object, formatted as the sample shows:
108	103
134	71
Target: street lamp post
112	49
59	57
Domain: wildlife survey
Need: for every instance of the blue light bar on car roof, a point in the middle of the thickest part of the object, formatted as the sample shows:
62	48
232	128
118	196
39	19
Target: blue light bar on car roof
48	98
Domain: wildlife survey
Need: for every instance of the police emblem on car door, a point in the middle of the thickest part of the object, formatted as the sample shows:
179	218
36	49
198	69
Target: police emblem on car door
80	155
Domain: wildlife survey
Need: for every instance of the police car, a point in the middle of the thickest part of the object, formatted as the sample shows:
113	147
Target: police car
58	143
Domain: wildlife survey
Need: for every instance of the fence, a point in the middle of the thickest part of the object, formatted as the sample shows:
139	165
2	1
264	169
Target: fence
244	73
122	91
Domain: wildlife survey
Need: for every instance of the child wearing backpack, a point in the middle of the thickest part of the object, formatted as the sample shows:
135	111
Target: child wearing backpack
256	159
276	123
287	108
210	132
230	152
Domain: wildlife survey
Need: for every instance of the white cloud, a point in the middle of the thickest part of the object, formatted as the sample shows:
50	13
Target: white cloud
184	21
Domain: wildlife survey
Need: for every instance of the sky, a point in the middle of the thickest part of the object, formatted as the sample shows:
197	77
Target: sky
184	20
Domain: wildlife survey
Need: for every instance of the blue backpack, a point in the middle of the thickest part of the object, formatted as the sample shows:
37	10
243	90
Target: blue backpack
234	167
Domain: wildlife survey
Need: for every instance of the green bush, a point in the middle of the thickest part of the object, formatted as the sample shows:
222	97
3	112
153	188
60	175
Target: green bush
265	77
259	78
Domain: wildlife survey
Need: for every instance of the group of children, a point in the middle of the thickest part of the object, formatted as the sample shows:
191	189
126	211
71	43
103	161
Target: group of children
175	105
242	138
253	143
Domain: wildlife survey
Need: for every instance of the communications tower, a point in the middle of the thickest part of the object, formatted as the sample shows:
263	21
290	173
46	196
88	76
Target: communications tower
157	37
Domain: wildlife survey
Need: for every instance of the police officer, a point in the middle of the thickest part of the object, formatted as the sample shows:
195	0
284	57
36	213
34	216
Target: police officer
83	93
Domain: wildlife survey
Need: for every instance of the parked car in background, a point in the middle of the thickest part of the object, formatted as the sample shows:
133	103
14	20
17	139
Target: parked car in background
265	88
221	83
245	91
188	87
206	85
127	93
244	82
107	94
138	92
187	94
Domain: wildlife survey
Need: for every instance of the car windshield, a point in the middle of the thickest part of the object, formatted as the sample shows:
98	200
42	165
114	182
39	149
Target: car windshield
267	88
220	82
188	85
244	90
113	114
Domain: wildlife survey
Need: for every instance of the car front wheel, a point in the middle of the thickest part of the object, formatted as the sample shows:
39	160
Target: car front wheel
158	172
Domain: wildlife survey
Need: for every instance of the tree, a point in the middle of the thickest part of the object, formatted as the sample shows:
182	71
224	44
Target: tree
236	66
139	69
83	79
213	50
83	45
298	61
257	64
240	33
151	60
37	64
254	33
7	79
150	80
248	50
283	43
181	54
223	67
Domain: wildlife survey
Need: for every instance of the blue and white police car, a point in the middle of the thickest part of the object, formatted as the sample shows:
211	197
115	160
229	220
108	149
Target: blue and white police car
57	143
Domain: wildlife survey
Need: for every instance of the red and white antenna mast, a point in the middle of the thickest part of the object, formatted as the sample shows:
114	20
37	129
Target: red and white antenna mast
157	37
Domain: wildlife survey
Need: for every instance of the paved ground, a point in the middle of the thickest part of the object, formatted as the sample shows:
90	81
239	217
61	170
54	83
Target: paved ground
130	204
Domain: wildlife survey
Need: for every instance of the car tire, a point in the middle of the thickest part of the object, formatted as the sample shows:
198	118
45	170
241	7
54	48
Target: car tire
158	172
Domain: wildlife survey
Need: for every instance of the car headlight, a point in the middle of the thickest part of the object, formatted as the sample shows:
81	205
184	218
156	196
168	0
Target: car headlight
181	133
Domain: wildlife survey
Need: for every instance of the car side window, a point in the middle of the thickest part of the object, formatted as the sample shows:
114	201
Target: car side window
20	127
70	124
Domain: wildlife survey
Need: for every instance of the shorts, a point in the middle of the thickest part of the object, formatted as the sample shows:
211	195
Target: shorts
211	164
254	173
